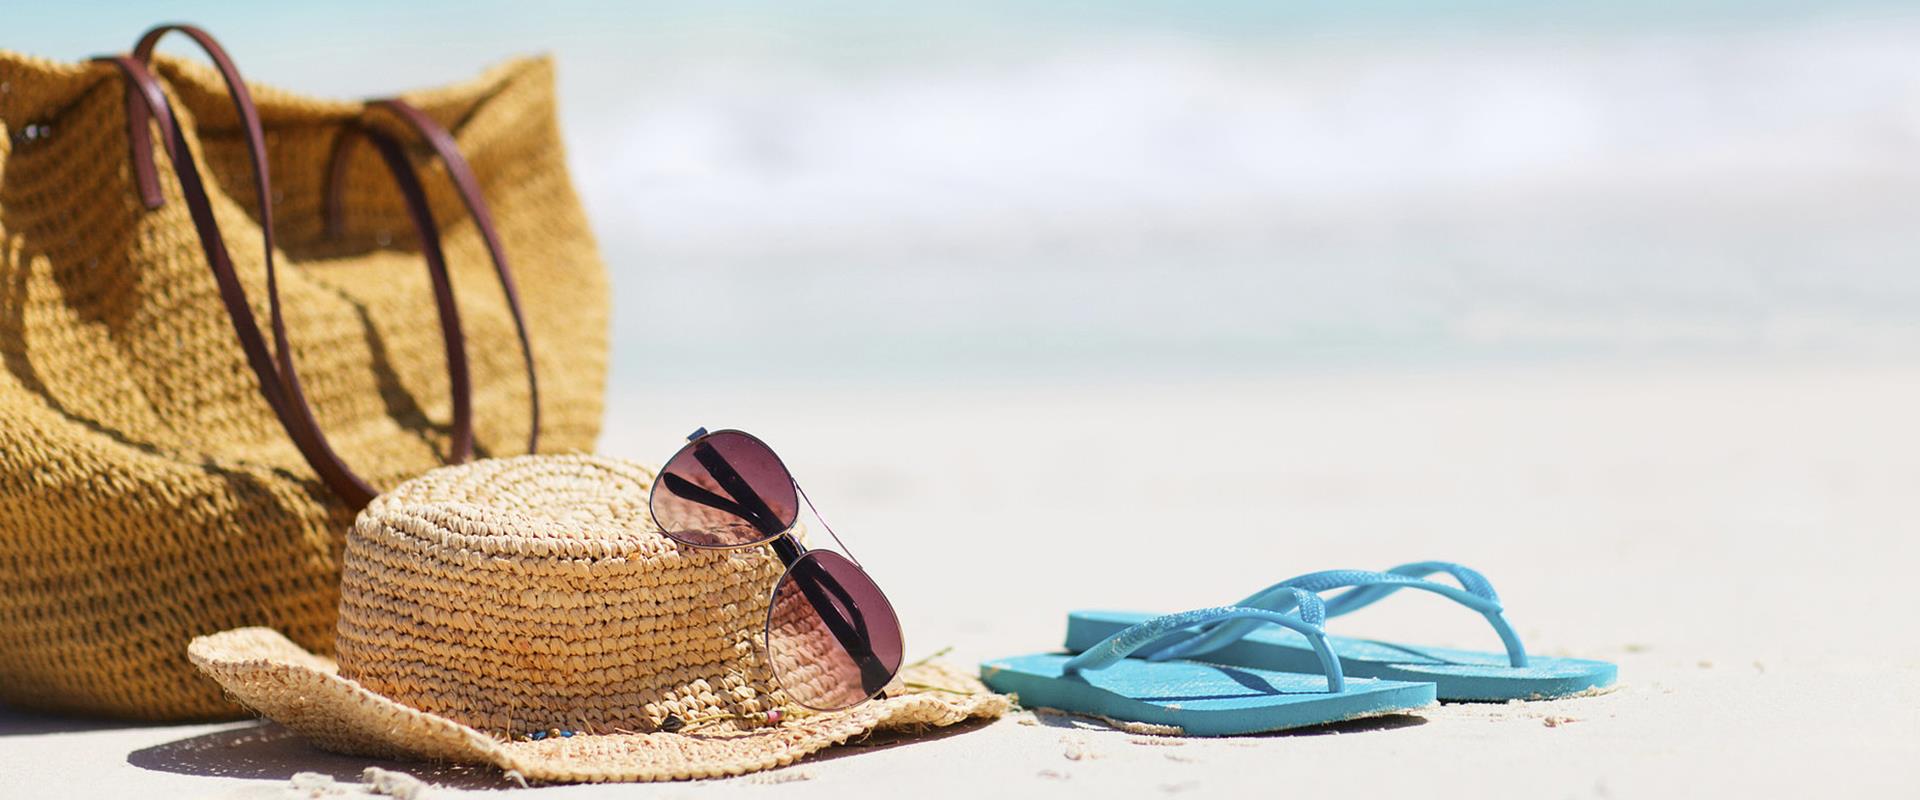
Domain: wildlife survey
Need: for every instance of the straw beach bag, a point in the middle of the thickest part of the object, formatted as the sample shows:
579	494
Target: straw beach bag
216	341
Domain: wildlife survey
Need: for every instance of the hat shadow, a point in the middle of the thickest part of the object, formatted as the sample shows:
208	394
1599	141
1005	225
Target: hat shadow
887	739
266	751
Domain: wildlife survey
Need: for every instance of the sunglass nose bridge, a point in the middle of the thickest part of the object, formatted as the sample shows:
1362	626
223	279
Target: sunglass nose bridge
697	433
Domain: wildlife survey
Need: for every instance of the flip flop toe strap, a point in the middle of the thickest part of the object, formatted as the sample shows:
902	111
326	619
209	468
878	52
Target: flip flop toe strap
1367	588
1308	622
1360	597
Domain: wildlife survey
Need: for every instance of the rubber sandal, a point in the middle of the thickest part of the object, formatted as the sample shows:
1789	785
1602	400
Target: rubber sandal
1198	698
1456	674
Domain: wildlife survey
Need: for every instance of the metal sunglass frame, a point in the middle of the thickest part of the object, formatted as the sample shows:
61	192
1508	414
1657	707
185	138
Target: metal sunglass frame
749	506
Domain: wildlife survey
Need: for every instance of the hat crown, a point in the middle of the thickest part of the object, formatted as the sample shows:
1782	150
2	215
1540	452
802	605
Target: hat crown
524	594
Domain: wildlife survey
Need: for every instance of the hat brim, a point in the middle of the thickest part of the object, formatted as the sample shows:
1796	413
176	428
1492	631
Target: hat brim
305	692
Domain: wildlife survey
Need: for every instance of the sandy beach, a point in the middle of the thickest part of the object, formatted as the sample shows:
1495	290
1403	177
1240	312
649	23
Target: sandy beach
1735	537
1148	306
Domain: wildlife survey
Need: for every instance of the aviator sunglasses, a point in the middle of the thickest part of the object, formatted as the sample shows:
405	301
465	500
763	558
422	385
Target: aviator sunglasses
831	637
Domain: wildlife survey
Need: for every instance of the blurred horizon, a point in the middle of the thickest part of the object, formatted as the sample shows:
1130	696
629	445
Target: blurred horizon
854	191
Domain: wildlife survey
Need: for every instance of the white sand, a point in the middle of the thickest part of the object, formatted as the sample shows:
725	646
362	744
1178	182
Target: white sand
1739	540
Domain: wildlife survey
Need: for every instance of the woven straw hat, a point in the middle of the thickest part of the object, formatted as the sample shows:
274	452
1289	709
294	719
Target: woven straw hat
485	605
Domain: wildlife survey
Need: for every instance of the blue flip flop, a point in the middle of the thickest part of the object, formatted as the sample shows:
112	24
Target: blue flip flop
1202	699
1456	674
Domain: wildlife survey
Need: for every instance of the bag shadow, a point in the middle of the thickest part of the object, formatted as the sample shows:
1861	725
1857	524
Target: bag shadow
20	722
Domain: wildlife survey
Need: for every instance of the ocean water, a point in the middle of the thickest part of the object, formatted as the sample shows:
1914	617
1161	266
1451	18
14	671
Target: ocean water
987	190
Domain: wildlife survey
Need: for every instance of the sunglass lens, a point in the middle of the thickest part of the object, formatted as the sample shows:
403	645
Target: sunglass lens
725	489
831	634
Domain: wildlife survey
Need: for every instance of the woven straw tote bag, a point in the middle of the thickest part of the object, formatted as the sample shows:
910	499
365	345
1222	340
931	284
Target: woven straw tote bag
217	343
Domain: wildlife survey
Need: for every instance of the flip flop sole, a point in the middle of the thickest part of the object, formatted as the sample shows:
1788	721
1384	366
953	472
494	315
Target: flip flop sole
1200	699
1456	674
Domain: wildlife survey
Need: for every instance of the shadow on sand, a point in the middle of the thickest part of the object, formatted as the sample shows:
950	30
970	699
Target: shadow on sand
1383	722
268	751
15	722
889	739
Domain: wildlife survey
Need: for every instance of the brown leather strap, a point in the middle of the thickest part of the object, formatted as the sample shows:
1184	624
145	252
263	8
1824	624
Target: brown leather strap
297	425
279	382
140	137
306	430
468	186
459	378
255	136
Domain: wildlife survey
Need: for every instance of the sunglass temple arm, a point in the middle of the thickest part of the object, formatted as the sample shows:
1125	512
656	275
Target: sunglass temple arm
823	523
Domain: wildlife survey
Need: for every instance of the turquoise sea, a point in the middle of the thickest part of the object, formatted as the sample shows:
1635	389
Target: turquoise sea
966	191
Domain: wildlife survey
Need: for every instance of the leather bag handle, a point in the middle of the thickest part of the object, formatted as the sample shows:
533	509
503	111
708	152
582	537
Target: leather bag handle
279	381
467	185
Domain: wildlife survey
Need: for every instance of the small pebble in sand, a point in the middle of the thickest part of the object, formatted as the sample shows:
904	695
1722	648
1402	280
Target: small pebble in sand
1053	775
313	784
393	783
375	781
1555	722
1182	758
1705	664
779	776
1077	749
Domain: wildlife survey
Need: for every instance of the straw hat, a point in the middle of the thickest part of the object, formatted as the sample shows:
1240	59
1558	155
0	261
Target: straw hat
487	605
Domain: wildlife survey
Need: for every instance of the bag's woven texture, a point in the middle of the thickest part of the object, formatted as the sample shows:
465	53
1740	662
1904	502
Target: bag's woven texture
147	493
487	601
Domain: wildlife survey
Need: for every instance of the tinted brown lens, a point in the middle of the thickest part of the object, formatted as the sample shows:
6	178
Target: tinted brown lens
726	489
832	636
